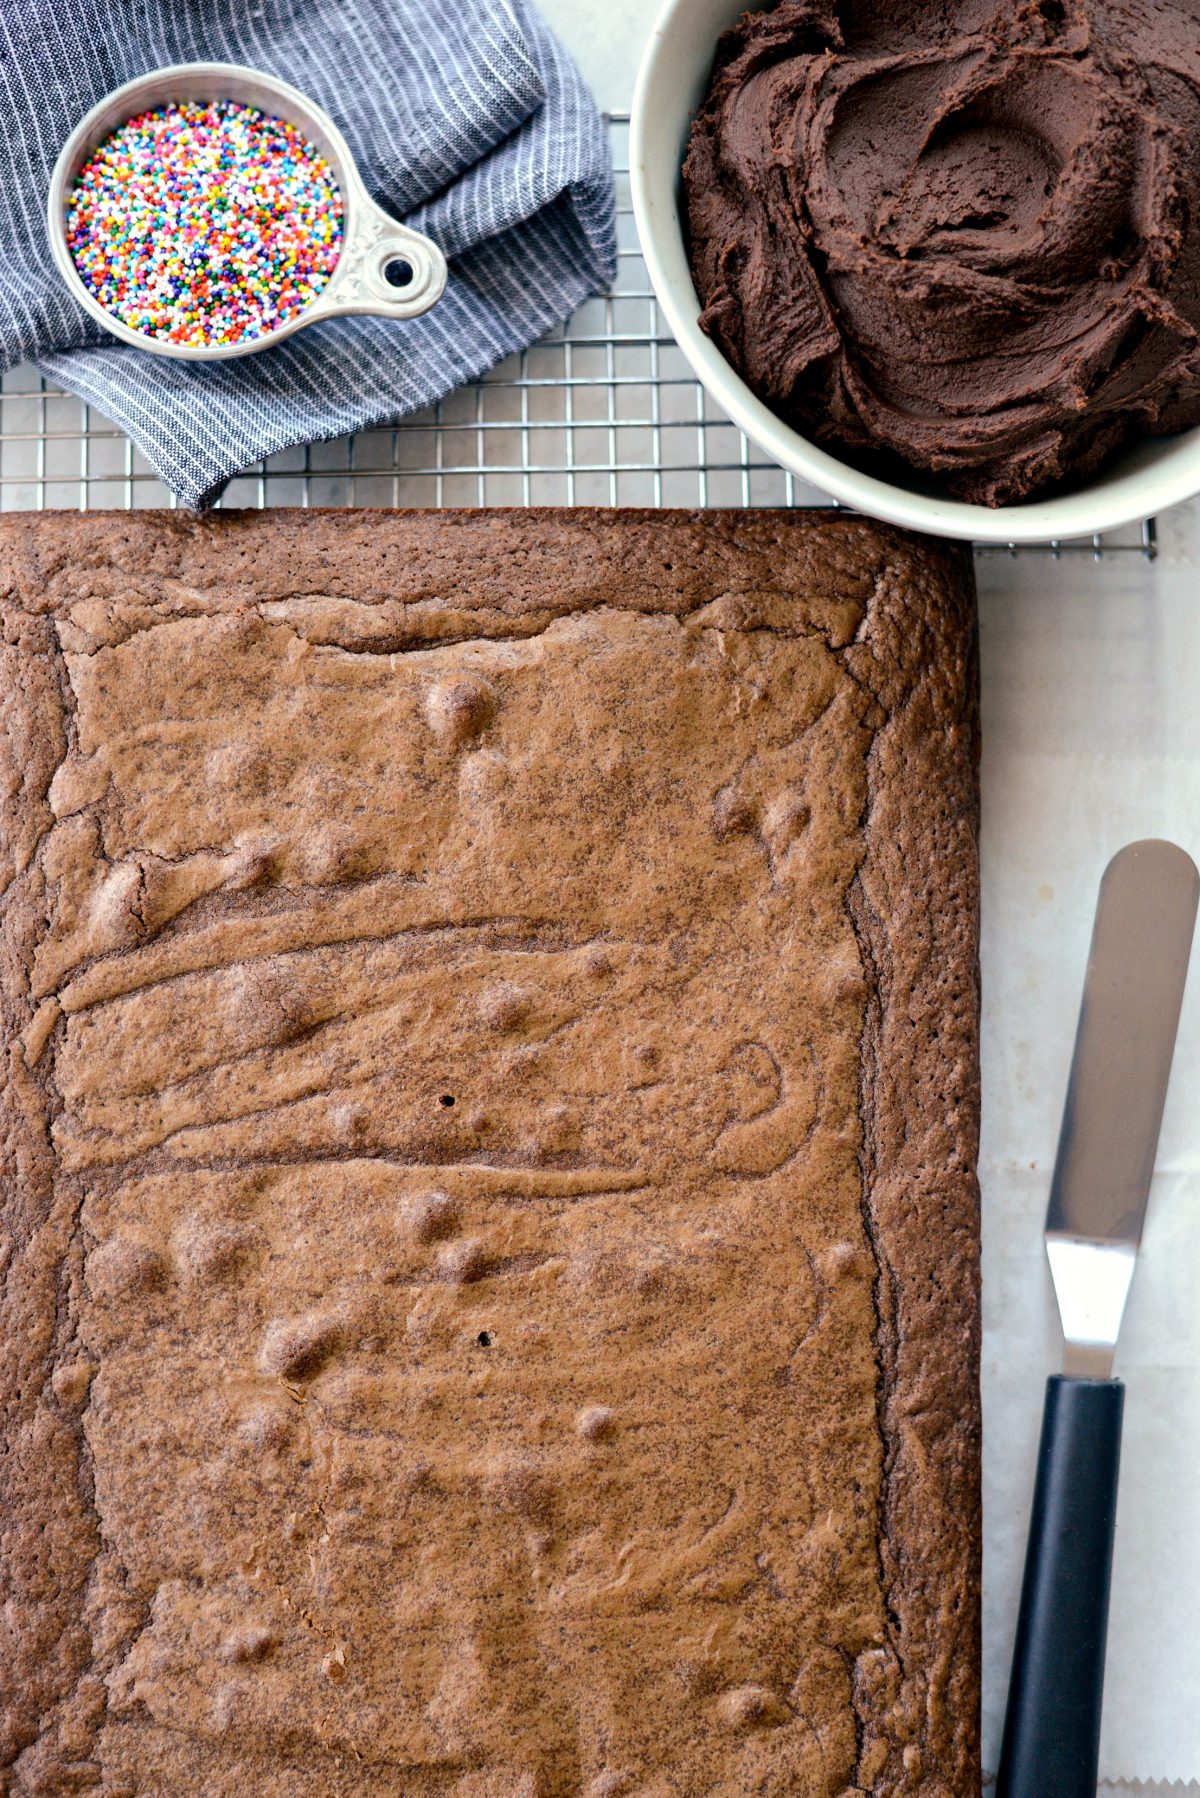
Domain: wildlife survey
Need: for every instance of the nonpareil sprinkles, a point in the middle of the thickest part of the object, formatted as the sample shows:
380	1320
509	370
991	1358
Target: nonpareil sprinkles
205	224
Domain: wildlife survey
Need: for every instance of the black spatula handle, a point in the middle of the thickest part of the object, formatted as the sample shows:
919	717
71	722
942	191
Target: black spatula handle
1052	1728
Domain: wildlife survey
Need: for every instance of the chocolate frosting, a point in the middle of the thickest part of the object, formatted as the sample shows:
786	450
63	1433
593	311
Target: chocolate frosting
960	235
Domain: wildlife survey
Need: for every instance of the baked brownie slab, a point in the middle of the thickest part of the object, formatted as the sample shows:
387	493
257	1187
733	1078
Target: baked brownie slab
490	1277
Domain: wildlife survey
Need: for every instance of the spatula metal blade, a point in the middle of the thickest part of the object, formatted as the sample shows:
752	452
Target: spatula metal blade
1137	968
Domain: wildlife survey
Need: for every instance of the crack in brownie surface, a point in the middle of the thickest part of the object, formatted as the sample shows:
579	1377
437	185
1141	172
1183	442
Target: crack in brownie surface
490	1012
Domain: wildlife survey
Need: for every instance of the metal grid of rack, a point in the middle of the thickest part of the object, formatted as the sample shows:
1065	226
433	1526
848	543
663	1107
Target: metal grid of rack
604	411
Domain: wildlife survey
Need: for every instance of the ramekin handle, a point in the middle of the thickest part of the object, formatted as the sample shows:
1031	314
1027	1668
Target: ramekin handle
386	269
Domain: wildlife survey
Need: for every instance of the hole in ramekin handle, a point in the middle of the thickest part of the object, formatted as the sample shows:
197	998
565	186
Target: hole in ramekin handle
386	268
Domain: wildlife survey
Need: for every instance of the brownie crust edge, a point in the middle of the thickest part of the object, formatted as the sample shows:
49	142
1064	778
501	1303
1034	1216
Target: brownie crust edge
912	648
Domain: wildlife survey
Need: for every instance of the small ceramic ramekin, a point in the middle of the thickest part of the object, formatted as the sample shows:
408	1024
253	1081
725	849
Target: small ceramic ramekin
372	241
1151	475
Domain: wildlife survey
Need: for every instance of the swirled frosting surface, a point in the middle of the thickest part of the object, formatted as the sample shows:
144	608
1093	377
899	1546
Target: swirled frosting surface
962	237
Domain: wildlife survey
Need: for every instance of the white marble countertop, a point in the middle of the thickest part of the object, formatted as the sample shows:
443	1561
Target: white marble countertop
1091	737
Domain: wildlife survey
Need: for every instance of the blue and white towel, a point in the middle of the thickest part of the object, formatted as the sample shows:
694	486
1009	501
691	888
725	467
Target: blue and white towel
466	119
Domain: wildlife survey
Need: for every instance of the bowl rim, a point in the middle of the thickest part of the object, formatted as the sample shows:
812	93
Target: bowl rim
1123	497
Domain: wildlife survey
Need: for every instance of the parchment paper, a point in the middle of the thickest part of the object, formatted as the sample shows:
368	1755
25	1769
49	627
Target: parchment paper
1091	733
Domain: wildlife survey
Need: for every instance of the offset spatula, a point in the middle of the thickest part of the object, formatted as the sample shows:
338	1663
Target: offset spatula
1141	942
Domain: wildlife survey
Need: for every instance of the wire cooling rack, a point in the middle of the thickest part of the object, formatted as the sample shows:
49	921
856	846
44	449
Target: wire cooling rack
605	411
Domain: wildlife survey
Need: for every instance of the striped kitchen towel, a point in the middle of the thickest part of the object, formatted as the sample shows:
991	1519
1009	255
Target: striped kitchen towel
466	119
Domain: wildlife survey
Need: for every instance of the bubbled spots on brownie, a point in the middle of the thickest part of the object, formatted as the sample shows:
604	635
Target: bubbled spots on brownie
266	1427
461	1263
296	1348
430	1216
504	1006
120	1269
71	1380
250	1642
596	1423
752	1707
213	1252
457	711
733	815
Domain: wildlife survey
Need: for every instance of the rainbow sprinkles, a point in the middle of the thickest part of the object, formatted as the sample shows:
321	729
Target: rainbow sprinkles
205	224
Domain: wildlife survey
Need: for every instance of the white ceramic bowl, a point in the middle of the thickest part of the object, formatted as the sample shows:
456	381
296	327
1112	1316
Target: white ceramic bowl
672	82
371	239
